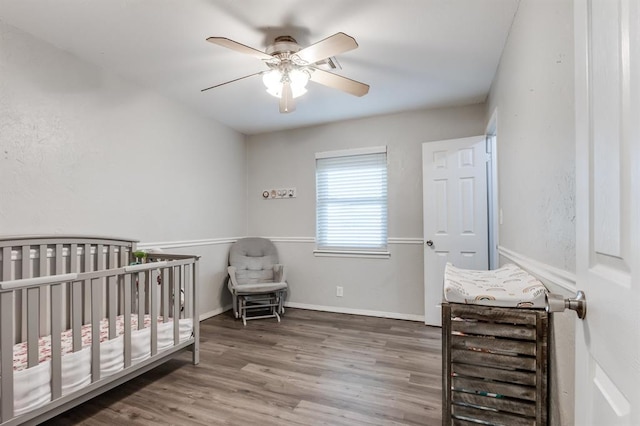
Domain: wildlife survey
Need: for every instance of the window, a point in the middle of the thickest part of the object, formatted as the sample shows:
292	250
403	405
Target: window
351	201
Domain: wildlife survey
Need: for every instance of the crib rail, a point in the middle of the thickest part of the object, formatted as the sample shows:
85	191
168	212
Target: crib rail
33	256
64	283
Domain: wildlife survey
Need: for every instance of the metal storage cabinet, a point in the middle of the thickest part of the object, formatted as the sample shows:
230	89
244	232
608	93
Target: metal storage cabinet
495	365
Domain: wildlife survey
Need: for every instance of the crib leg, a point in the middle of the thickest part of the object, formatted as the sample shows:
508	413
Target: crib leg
195	355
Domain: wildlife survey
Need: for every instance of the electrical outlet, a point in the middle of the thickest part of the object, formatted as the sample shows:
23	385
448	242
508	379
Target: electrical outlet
339	291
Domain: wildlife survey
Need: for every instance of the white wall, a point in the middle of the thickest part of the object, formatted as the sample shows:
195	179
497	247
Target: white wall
533	94
287	159
84	152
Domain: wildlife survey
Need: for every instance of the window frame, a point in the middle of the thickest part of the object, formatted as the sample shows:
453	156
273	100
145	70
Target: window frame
327	251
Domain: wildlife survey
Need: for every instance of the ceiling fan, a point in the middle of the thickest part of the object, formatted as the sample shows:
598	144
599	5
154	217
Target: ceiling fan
290	67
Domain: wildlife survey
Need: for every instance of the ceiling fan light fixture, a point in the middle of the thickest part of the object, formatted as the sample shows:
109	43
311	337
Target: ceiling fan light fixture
291	67
298	79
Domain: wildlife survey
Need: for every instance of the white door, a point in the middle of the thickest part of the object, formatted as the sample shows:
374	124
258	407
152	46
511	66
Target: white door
454	185
607	37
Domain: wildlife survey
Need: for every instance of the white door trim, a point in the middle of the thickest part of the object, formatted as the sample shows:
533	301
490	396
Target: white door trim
493	205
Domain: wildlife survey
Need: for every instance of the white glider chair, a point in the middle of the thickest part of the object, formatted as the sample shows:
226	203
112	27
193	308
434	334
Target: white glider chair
257	281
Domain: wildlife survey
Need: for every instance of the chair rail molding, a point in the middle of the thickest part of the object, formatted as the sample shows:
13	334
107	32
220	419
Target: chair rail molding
186	243
229	240
549	275
390	240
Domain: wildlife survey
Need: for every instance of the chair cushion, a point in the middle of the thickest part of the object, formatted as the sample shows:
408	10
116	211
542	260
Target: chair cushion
259	288
253	259
509	286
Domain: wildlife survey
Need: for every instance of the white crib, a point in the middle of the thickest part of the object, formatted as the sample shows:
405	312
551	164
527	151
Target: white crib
79	317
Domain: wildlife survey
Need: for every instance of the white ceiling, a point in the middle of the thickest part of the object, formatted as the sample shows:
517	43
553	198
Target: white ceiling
413	53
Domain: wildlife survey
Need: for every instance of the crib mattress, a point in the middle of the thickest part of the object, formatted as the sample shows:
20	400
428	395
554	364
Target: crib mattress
509	286
32	385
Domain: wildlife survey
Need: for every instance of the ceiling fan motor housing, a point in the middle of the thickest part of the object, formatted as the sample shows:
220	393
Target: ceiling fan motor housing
283	45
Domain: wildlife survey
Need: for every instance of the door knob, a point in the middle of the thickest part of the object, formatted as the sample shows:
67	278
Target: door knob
557	303
429	243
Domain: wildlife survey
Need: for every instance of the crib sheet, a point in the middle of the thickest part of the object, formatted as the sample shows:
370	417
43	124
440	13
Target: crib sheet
32	385
509	286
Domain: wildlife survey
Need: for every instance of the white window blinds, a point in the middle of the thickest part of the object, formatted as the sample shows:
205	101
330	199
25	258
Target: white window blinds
351	199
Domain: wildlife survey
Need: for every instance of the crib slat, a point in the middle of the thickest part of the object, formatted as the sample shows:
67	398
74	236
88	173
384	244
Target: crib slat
31	316
100	266
25	272
59	259
164	298
86	305
56	344
111	294
100	257
124	261
59	265
33	319
127	320
76	301
76	315
95	330
73	258
176	303
44	301
141	283
187	291
153	313
6	263
196	315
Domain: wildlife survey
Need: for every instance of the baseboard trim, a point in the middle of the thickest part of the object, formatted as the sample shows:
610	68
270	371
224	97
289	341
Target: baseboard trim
549	275
215	312
368	313
335	309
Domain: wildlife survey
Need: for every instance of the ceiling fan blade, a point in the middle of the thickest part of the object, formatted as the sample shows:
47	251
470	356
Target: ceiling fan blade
330	46
339	82
231	81
239	47
287	104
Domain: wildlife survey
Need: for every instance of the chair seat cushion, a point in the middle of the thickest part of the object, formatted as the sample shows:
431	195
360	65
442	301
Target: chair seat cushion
259	287
509	286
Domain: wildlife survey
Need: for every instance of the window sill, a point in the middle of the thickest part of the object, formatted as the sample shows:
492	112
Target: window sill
367	254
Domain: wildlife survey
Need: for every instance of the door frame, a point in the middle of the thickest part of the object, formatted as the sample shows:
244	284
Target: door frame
493	205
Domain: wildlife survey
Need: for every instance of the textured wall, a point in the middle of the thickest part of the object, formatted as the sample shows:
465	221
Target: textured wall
283	159
85	152
533	93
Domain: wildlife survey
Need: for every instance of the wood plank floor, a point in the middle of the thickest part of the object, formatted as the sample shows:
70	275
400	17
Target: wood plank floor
313	368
